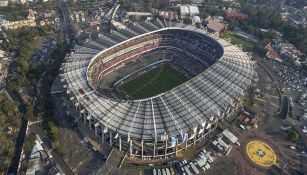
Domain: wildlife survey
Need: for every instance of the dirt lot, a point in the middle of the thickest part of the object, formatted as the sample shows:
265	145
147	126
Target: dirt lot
226	166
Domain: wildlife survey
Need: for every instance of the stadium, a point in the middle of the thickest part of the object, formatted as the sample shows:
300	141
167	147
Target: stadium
155	87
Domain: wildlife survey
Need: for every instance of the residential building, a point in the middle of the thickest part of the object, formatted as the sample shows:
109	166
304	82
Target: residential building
4	3
196	19
272	54
29	22
289	51
188	11
215	25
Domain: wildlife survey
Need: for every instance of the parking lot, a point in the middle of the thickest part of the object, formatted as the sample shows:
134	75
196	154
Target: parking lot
292	82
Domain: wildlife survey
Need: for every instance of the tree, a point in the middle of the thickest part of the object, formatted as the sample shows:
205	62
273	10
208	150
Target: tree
293	136
29	142
53	131
9	118
29	112
148	6
71	3
268	17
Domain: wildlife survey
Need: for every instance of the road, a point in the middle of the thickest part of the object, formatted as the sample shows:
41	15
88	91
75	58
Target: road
13	169
66	26
47	144
22	131
36	128
18	147
283	108
288	79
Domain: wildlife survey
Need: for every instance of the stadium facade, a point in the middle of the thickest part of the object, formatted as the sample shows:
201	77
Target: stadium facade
159	126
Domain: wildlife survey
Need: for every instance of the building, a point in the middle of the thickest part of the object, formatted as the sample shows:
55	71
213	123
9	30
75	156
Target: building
2	21
247	117
138	14
166	14
184	11
288	51
237	15
215	25
2	54
230	136
4	61
193	10
197	1
29	22
157	127
188	11
272	54
196	20
48	14
4	3
221	146
34	160
169	15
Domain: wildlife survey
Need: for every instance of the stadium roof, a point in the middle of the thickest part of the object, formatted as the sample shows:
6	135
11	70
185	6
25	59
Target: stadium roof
196	103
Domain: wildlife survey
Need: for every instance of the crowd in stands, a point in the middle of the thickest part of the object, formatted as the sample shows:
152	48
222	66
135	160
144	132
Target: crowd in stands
189	65
124	58
199	46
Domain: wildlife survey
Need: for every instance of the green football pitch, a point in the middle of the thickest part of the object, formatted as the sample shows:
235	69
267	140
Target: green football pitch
154	82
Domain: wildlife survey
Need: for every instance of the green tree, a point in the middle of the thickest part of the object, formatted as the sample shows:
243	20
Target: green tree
29	142
71	3
29	112
53	131
293	136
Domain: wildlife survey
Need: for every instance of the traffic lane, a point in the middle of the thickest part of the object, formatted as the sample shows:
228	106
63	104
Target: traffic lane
272	74
284	108
13	169
66	30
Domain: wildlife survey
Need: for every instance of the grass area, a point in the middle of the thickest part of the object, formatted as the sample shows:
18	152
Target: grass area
154	82
236	39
